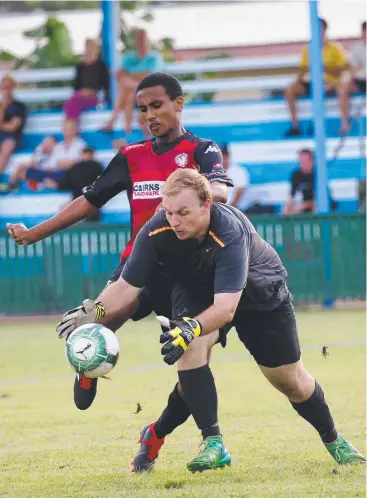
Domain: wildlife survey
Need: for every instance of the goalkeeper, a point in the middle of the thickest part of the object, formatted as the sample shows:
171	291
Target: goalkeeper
224	273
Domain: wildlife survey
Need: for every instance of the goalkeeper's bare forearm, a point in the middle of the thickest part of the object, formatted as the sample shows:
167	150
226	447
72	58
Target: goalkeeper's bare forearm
220	313
76	211
118	299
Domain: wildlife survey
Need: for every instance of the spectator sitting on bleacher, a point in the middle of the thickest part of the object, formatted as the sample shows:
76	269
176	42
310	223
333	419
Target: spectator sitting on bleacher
240	177
12	120
82	174
357	80
335	63
43	159
63	157
135	66
91	77
303	181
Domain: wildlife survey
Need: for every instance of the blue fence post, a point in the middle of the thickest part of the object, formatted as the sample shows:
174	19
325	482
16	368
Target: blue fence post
318	108
110	37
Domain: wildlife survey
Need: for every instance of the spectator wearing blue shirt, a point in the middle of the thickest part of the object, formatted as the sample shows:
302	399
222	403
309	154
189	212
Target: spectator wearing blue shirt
135	66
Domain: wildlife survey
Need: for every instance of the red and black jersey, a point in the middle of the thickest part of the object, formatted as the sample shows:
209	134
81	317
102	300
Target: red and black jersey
142	168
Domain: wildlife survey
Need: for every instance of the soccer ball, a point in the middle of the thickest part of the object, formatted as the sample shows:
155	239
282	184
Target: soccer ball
92	350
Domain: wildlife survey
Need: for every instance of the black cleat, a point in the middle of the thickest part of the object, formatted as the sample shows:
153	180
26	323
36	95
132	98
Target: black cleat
85	390
149	449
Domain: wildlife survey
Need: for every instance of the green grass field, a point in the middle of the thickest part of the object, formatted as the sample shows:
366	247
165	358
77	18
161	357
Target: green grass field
50	449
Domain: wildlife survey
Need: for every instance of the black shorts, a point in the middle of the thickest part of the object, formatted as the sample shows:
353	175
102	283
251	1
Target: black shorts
270	336
361	85
155	297
307	87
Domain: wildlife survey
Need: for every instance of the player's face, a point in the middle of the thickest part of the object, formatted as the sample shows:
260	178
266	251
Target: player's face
158	112
187	215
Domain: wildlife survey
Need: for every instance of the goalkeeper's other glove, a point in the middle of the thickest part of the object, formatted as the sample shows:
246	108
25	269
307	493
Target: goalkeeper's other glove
178	337
89	312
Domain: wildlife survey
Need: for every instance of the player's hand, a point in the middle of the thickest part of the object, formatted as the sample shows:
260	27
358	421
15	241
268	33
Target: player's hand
88	312
178	337
20	233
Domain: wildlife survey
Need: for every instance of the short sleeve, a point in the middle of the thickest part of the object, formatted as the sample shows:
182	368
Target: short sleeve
304	58
142	260
231	268
114	179
210	161
339	55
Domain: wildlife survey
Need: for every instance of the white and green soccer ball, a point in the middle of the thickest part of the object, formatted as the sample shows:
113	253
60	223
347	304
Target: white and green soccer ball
92	350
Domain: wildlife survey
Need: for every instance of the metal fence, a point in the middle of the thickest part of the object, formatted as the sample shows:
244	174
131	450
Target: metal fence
325	257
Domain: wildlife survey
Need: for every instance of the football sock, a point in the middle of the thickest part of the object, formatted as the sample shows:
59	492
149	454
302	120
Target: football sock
200	394
175	414
316	411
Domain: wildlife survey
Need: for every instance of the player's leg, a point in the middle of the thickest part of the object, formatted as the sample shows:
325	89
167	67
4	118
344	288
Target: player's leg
200	394
272	338
195	394
85	388
177	410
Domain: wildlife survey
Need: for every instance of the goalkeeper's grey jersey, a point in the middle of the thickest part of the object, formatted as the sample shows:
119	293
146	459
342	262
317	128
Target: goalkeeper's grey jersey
232	257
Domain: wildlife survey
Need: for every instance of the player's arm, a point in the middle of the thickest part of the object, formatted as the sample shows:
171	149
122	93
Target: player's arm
119	297
210	161
113	180
230	279
219	192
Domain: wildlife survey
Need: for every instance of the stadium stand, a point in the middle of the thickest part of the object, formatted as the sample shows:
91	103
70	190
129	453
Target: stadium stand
254	129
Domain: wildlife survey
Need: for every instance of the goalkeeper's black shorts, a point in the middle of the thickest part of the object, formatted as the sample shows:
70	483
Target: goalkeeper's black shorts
270	336
155	297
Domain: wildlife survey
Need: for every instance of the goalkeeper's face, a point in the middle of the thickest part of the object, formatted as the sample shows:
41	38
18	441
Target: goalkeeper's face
188	216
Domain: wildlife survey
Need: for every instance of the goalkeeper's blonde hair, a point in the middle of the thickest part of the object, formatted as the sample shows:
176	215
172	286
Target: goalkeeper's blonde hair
187	178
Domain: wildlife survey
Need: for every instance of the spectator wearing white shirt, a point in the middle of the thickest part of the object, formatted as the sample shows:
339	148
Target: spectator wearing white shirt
41	159
64	155
239	176
357	80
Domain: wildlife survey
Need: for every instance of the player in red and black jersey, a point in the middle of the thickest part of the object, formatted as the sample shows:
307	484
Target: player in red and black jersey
140	169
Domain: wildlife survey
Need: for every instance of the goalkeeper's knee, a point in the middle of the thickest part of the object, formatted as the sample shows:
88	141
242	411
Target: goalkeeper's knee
196	355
